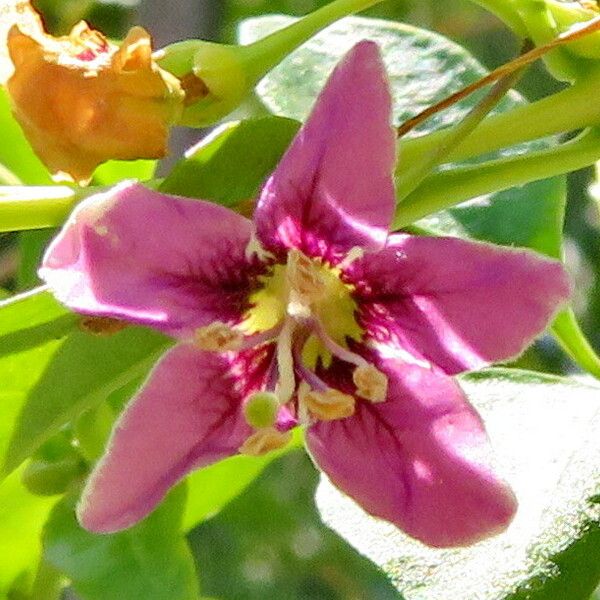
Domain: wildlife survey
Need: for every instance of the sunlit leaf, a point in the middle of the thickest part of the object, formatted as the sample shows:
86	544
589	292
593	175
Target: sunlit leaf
546	433
52	371
230	165
148	561
22	517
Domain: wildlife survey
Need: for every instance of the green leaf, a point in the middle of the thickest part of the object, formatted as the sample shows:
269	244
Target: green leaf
212	488
269	544
15	152
22	315
32	245
530	216
22	517
149	561
115	171
230	165
52	371
546	434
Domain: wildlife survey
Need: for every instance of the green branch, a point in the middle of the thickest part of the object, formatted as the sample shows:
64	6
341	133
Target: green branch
448	188
568	110
36	207
264	54
573	341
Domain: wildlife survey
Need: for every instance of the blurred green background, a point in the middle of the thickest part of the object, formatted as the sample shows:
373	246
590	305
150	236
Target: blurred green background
269	543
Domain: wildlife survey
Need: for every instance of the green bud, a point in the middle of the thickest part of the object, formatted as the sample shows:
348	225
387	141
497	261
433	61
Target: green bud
217	77
45	478
261	410
92	430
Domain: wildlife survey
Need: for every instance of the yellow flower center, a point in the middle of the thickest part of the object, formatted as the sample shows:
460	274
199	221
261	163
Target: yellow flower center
306	287
306	308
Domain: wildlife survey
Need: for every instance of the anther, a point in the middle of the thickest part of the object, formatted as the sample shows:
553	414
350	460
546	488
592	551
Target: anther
355	253
370	383
306	283
218	337
335	348
264	441
329	405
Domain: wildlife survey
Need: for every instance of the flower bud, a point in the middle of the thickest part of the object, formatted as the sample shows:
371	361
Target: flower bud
49	478
82	100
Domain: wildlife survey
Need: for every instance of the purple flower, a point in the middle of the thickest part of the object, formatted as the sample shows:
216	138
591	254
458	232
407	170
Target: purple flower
312	315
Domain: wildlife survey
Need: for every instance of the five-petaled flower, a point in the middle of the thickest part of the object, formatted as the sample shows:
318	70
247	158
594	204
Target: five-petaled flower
97	102
311	315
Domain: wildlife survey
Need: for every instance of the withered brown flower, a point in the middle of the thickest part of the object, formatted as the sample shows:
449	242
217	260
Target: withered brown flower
82	100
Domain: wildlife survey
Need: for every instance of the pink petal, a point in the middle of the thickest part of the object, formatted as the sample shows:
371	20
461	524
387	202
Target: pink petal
458	305
333	189
186	416
419	460
164	261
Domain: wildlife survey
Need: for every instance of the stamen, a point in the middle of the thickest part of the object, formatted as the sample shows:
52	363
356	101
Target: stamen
355	253
218	337
310	377
264	441
371	383
285	363
335	348
305	281
329	405
261	337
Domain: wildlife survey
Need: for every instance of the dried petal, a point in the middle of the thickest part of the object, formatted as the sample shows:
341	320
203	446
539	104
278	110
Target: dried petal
100	101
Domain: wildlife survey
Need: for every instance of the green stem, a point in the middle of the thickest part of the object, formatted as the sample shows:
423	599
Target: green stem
260	57
35	207
453	138
572	340
570	109
541	28
264	54
533	19
448	188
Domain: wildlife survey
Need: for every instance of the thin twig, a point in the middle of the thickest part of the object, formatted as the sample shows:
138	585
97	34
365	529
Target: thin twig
576	32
